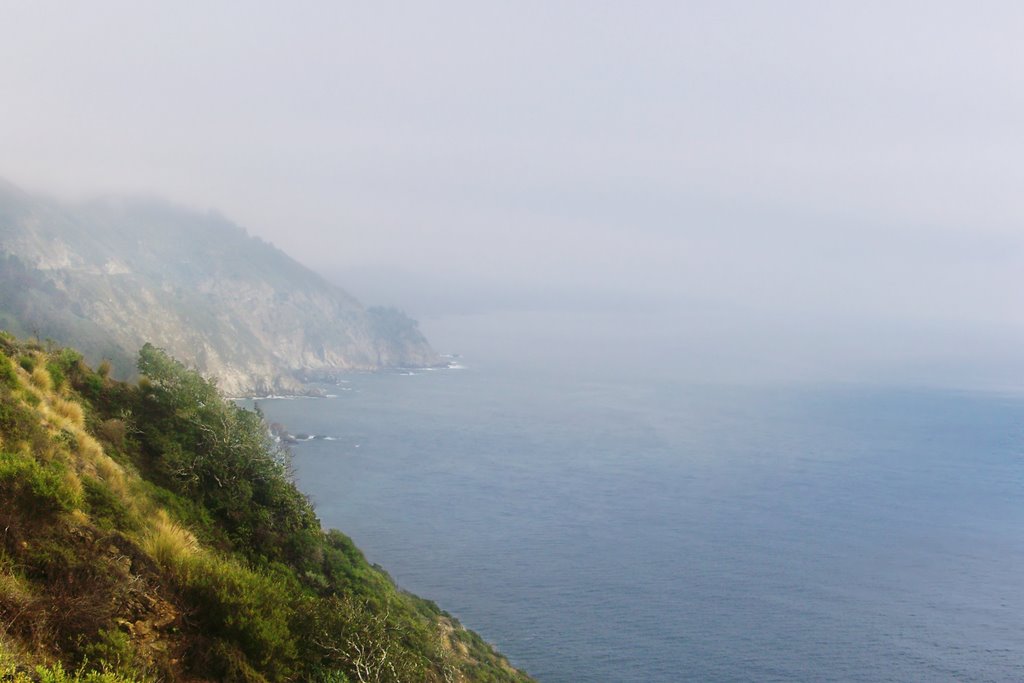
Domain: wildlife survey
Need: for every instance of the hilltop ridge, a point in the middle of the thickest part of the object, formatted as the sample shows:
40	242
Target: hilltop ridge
108	275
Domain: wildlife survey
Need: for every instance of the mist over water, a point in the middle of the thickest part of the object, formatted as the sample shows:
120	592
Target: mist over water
702	345
604	522
736	286
824	191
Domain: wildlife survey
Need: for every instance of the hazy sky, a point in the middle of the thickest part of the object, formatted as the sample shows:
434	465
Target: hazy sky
843	179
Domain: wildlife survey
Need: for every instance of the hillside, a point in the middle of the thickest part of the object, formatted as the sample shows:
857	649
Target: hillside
151	533
108	276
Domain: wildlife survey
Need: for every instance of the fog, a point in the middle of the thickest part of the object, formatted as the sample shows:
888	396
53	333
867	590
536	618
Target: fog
795	190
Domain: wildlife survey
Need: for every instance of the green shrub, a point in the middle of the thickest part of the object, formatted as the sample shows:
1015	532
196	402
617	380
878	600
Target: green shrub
106	507
57	674
209	449
92	385
7	374
66	365
20	423
112	650
34	486
253	610
56	374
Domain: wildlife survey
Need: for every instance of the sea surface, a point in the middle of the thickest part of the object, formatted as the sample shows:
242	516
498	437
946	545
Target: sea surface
600	529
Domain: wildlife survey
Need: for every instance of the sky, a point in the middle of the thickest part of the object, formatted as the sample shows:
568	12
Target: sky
822	190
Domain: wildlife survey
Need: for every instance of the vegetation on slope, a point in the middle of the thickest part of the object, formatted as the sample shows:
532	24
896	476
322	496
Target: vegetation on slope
151	532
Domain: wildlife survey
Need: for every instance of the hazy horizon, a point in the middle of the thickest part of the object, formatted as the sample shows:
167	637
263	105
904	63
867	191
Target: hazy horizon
786	192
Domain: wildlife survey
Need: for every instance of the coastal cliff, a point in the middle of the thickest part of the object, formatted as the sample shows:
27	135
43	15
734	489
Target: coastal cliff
109	275
150	532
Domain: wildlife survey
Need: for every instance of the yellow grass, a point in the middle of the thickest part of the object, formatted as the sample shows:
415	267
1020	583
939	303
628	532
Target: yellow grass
73	483
169	543
112	474
88	447
41	379
79	516
69	410
14	591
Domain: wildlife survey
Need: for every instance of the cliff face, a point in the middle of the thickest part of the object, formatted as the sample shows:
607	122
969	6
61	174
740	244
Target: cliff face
111	275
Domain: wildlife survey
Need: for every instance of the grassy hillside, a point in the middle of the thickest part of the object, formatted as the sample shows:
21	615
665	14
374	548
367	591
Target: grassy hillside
151	532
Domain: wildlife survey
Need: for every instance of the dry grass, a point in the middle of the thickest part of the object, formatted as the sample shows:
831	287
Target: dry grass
69	410
41	379
113	431
89	448
169	543
73	483
12	654
112	474
14	591
79	516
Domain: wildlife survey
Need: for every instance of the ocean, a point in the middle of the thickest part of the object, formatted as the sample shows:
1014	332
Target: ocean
600	528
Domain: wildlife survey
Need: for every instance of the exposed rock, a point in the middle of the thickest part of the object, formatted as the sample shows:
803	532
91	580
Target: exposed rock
108	276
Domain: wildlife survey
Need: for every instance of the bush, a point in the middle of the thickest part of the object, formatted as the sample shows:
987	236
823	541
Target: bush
63	363
112	650
211	450
106	508
113	431
56	374
57	674
254	610
365	642
7	374
92	385
41	488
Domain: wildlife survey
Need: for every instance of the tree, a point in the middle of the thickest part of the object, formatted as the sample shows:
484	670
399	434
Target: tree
213	450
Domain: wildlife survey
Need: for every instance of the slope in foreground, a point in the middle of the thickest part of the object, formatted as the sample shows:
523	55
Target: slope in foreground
151	533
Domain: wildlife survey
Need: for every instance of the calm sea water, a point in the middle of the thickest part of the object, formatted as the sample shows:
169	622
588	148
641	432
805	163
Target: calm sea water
615	530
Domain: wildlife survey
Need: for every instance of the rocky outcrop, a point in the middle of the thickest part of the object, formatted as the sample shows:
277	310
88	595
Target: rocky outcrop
108	276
